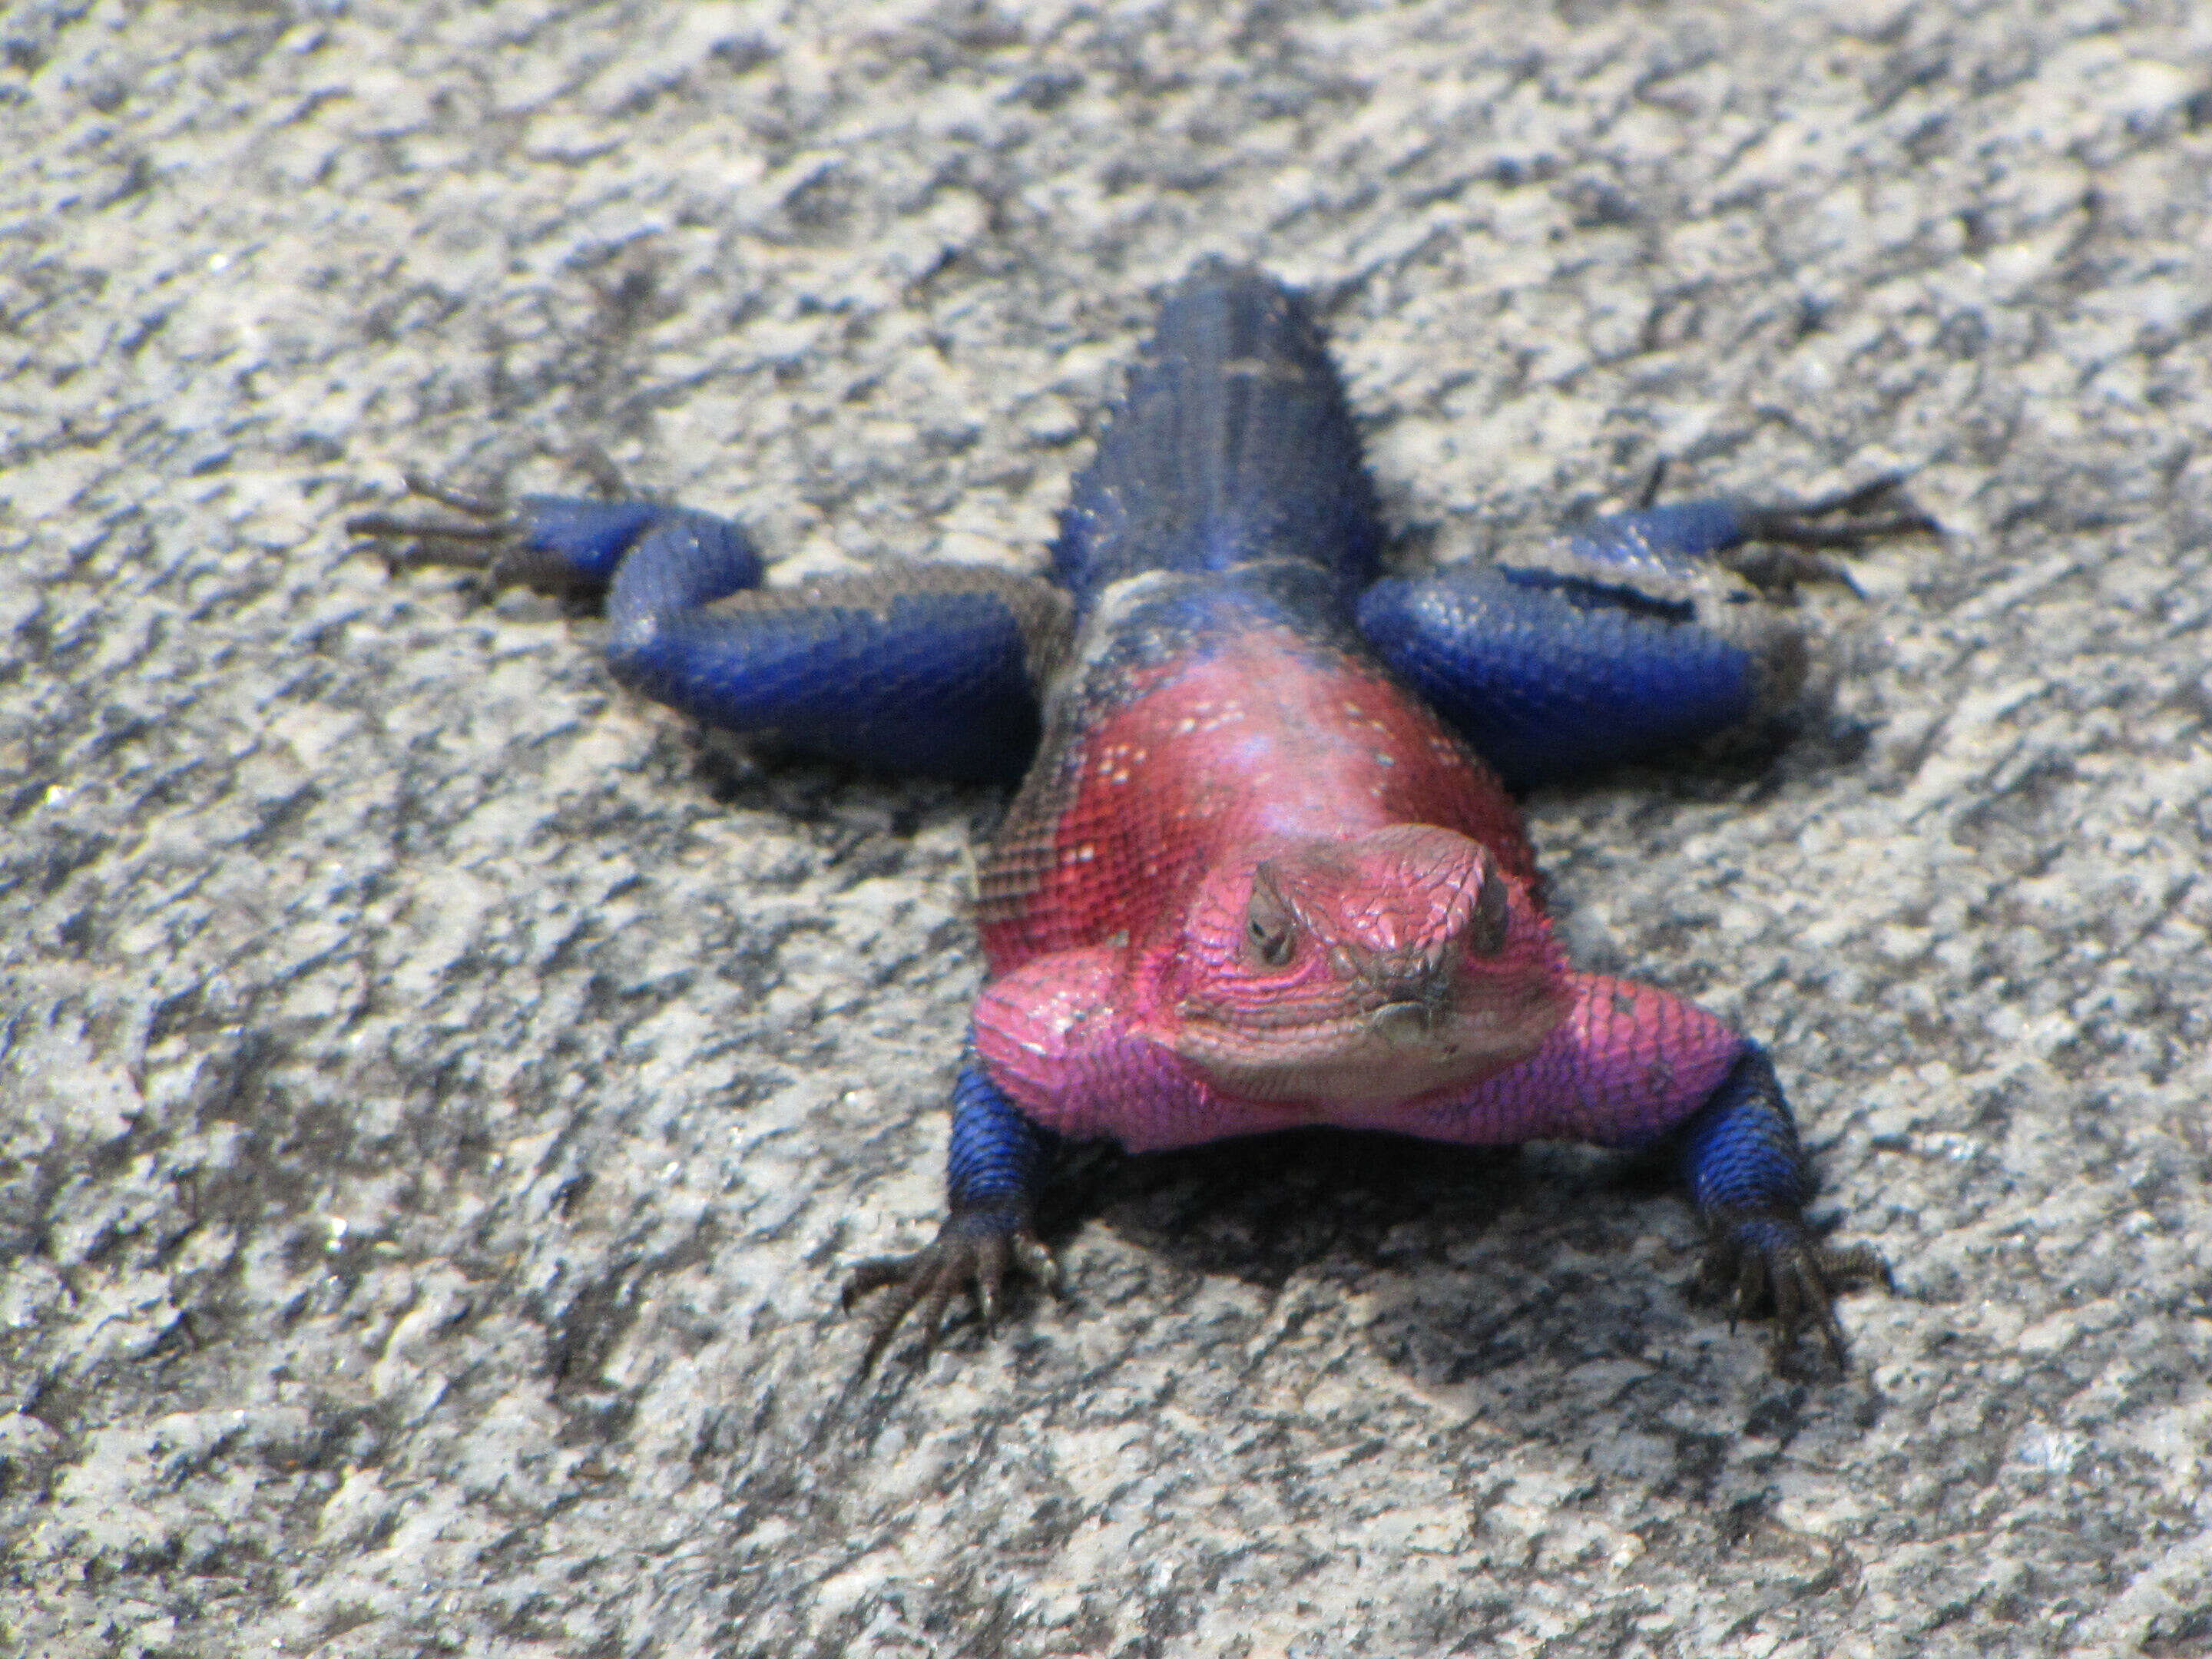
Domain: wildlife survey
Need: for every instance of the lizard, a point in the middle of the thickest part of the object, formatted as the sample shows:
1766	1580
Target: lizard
1265	867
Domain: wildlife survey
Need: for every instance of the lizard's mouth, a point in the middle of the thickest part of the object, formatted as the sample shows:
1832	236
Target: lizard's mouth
1409	997
1388	1052
1403	1021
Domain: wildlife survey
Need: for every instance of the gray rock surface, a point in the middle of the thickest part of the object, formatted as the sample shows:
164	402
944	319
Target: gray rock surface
438	1090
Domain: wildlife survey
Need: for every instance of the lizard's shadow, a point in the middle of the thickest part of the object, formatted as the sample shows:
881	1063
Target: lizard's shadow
1469	1261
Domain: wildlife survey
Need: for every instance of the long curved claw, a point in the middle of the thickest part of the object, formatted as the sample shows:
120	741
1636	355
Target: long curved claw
973	1252
1849	519
1766	1261
477	507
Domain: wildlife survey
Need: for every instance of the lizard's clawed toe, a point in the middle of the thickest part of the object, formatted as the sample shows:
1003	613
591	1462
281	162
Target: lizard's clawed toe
978	1257
479	540
1778	538
545	543
1769	1262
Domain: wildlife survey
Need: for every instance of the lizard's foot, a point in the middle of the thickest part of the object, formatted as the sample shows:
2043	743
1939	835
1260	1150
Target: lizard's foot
1780	542
546	543
976	1250
1761	1260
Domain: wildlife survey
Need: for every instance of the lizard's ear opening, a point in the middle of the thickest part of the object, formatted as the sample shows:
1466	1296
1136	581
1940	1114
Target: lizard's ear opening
1491	918
1271	926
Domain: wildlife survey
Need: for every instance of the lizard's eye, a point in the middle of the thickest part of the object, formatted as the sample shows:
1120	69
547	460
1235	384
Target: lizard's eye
1270	928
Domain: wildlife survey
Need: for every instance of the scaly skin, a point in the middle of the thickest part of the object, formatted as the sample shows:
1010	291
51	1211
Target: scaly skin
1282	877
1284	894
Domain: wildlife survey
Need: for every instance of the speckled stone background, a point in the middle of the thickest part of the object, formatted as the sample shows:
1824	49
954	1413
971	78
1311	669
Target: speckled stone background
438	1092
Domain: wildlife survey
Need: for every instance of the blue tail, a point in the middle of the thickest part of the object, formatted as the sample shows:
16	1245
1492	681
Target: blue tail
1234	444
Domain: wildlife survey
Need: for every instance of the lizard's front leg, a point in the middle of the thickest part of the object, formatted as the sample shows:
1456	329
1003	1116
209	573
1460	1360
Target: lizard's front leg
1738	1155
1625	636
997	1163
1633	1065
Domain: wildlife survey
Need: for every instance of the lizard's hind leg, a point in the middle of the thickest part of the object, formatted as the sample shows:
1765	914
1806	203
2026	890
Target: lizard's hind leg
926	667
1627	635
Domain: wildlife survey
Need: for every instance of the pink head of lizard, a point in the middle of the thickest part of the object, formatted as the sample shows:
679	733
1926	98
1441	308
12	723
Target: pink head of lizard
1334	973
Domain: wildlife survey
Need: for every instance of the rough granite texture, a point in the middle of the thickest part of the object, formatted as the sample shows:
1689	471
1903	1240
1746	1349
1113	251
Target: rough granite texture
438	1092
